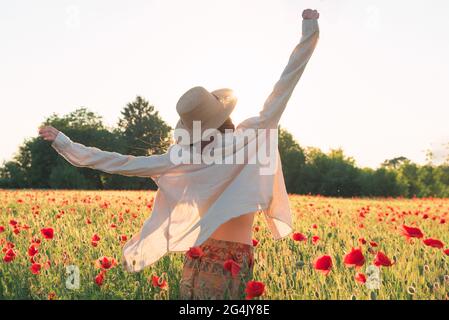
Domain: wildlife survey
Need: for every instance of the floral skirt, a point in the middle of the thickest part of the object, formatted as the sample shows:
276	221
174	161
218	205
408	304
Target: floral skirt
220	273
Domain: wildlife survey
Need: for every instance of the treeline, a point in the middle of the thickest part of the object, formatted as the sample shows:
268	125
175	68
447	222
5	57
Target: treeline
311	171
140	131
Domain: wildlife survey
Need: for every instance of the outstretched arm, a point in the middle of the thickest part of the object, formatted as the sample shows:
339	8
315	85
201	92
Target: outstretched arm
110	162
276	102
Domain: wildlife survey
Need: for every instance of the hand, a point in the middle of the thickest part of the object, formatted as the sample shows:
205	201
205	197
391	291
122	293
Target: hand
310	14
48	133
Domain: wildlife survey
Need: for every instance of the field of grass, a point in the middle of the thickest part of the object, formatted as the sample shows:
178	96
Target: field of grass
88	225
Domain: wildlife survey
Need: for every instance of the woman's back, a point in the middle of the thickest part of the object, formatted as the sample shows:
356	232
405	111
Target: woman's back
238	229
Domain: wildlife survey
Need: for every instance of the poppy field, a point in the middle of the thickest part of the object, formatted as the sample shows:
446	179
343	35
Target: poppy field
67	245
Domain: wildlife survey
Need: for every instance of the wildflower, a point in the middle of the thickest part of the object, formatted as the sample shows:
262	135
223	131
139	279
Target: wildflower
254	289
382	260
232	266
354	258
100	278
195	252
410	232
48	233
297	236
360	277
434	243
105	263
323	264
158	282
35	268
32	250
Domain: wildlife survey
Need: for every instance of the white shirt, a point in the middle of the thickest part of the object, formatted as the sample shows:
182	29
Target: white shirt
193	200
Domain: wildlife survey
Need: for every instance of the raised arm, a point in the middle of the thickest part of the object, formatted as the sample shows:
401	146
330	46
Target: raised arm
110	162
276	102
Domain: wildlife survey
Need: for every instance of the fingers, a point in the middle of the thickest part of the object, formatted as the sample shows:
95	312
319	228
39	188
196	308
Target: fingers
48	133
310	14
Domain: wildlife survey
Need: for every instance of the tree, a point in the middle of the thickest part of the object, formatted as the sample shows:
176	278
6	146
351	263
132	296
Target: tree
144	130
385	184
12	175
68	177
429	186
292	159
408	177
394	163
37	160
332	174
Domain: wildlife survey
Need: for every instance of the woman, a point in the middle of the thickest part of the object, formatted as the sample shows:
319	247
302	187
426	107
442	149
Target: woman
207	209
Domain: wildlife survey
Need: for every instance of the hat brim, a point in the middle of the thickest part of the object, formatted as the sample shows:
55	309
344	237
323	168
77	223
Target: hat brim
229	101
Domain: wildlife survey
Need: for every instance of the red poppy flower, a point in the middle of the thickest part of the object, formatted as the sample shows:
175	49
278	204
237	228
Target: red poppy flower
36	241
297	236
9	245
362	241
254	289
35	268
13	222
32	250
323	264
373	244
2	229
255	242
158	282
411	232
105	263
354	258
95	238
315	239
434	243
382	260
446	252
100	278
48	233
232	267
10	255
195	252
314	226
256	228
360	277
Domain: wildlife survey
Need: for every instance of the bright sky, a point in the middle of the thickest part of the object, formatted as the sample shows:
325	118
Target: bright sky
377	85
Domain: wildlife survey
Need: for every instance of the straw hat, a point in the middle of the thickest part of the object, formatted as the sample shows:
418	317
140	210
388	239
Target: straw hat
211	108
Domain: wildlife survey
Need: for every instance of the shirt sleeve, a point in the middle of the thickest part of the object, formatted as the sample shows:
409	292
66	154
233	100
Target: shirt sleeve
110	162
276	102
